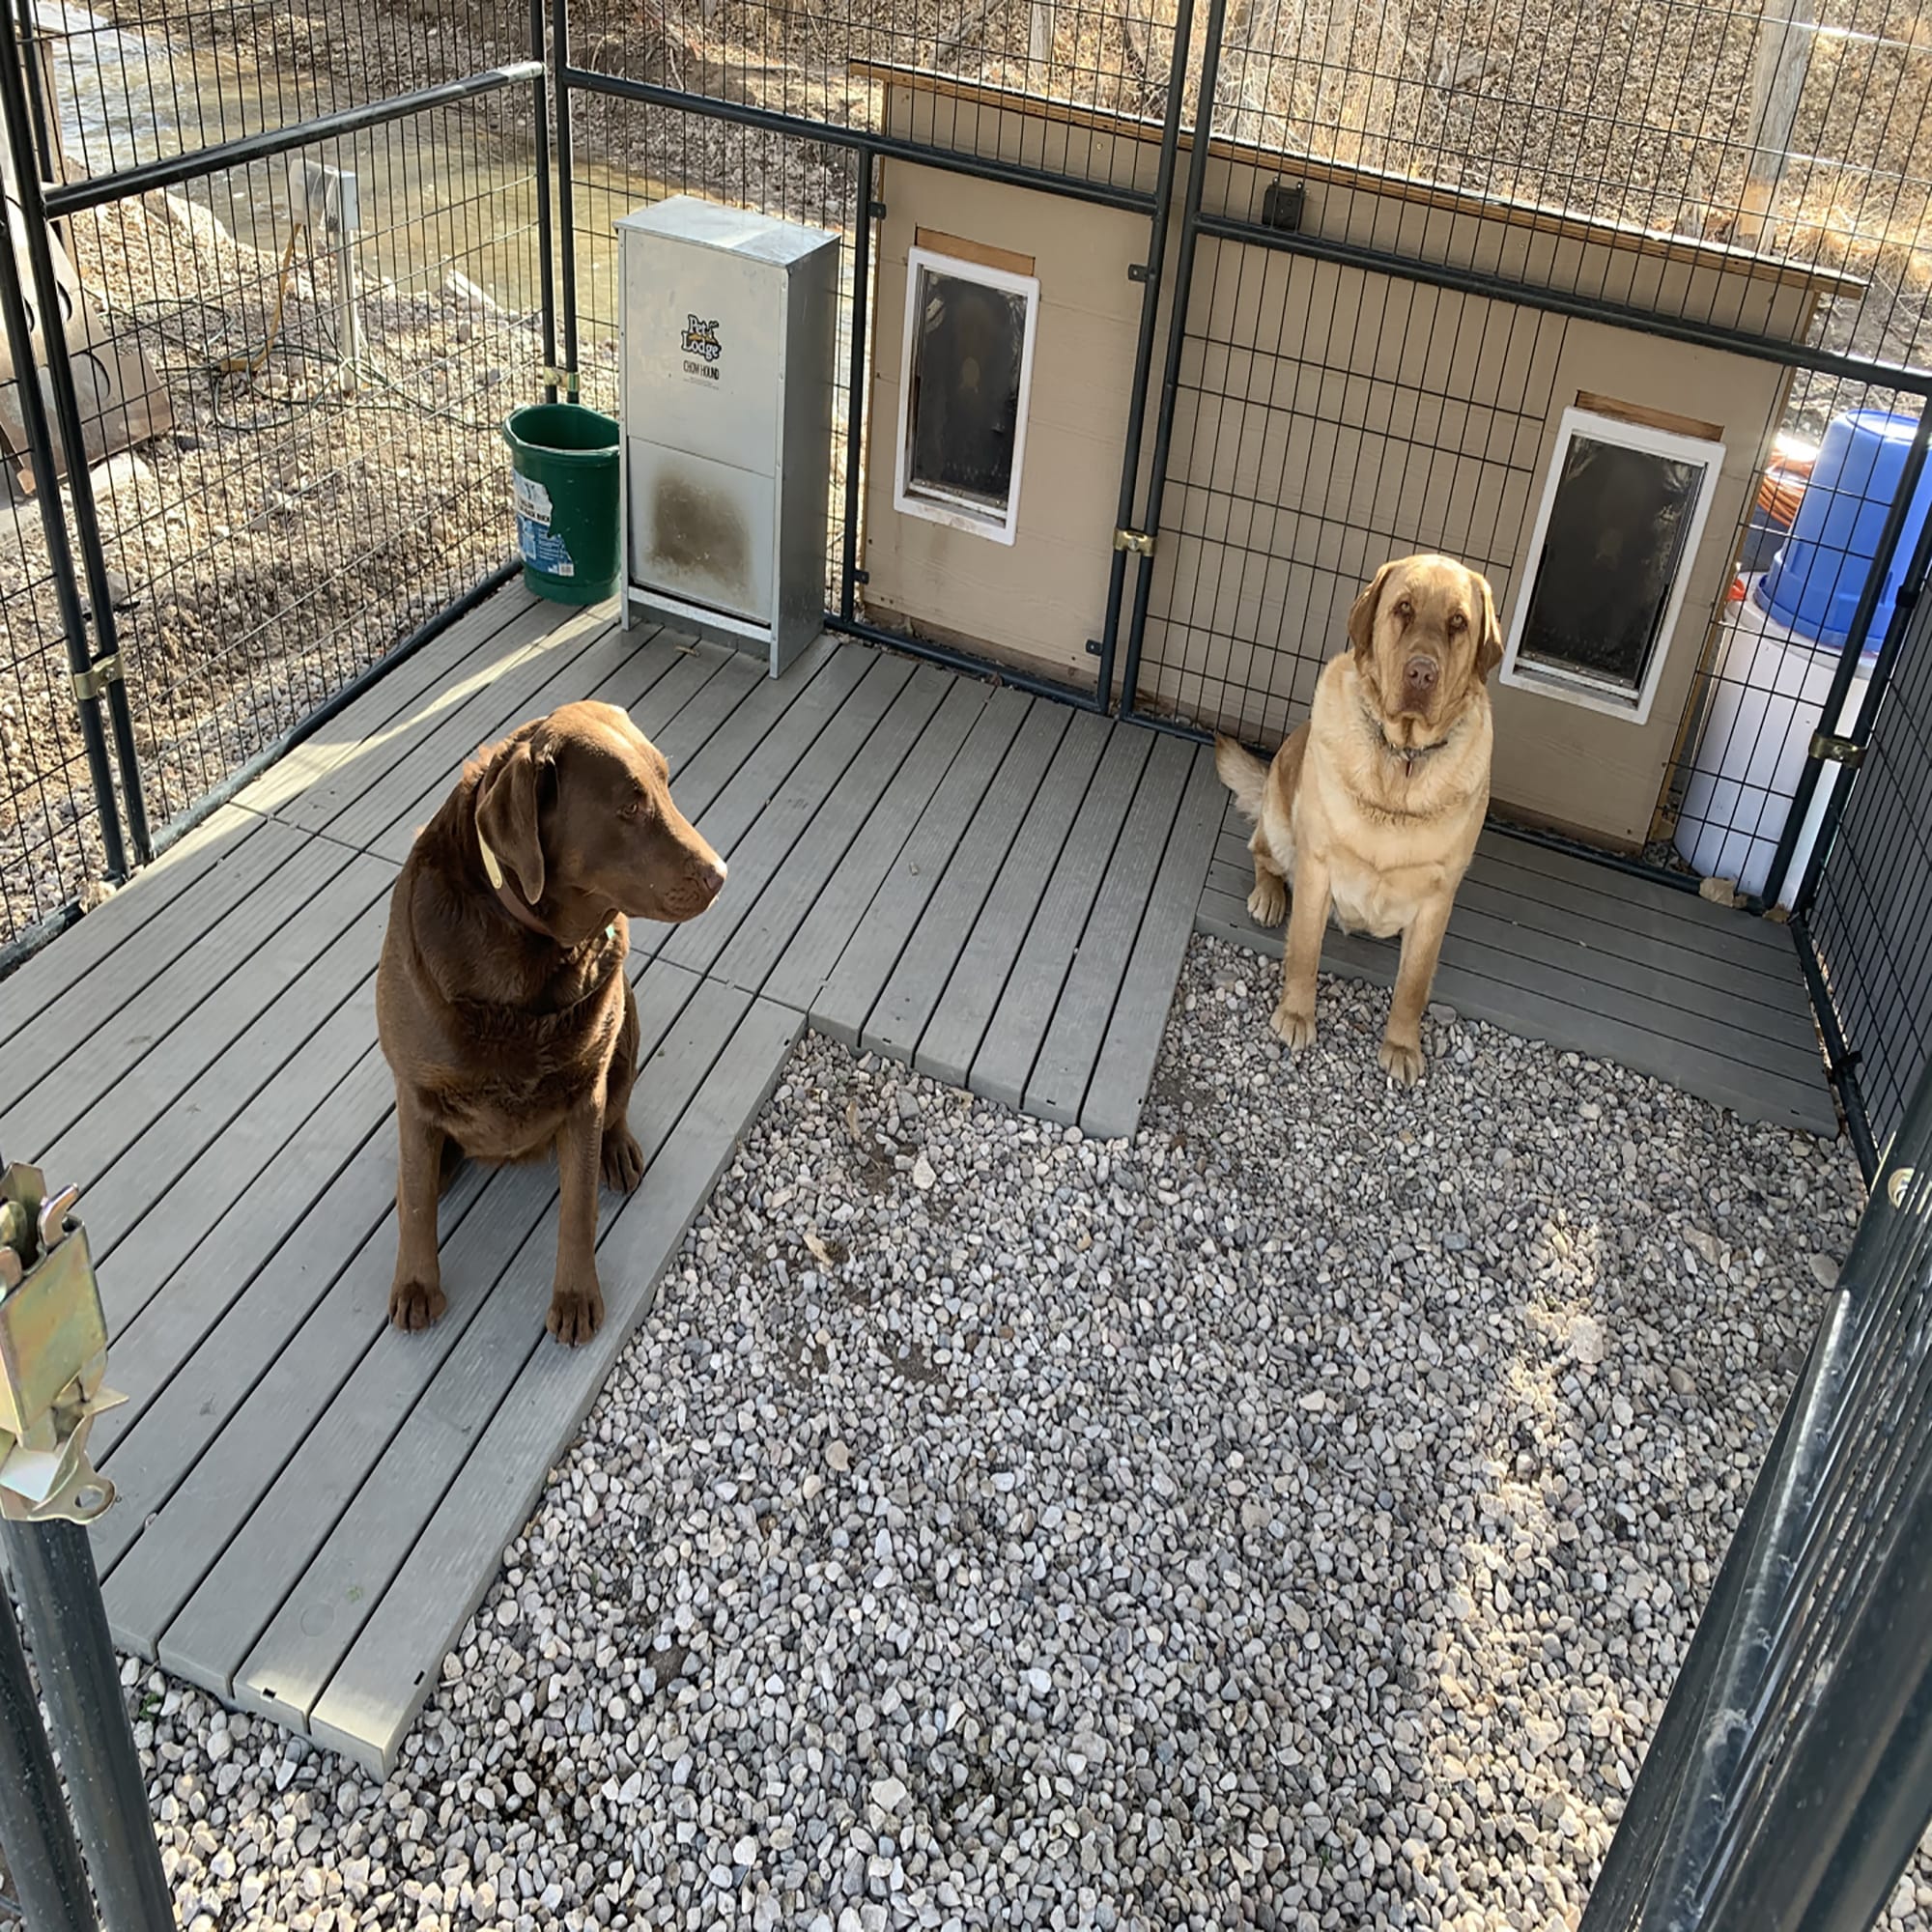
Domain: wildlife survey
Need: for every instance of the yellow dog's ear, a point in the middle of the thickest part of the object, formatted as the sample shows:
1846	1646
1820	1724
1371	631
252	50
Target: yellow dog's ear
508	806
1362	615
1490	646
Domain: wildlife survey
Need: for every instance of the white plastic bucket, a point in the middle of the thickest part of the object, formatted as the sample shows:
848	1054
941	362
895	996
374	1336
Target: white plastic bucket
1767	701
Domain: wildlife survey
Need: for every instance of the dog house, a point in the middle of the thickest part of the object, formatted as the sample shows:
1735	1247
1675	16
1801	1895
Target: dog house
1330	418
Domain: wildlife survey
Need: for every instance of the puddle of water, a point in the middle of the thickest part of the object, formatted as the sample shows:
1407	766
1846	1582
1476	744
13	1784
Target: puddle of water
438	192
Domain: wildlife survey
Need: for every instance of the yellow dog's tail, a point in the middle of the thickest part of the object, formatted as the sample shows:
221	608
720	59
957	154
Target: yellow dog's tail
1243	774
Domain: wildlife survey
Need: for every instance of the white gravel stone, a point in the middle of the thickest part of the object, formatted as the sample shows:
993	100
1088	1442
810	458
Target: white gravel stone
1293	1517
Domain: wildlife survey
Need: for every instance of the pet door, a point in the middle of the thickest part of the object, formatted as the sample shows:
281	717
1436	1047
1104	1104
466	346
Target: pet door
1615	537
963	389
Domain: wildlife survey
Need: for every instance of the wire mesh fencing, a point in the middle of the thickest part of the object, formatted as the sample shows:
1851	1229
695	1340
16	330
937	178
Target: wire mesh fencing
290	373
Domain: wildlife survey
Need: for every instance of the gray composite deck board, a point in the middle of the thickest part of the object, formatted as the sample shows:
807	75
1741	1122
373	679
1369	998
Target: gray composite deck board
374	1697
795	879
951	1041
1004	1061
686	734
133	990
471	644
519	658
757	856
344	1151
810	947
333	1002
49	979
290	1663
925	963
1057	1079
391	818
318	895
1126	1065
408	795
843	994
212	1633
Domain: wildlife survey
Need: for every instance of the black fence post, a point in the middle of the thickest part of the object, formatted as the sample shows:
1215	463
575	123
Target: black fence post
102	669
1137	395
36	1833
855	389
59	1593
546	236
1177	332
566	187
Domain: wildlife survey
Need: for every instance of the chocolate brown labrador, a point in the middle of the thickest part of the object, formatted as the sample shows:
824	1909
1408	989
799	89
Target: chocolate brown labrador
501	1000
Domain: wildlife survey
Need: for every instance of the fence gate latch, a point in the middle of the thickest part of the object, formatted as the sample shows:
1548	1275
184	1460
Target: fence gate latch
1836	751
1141	541
54	1355
92	682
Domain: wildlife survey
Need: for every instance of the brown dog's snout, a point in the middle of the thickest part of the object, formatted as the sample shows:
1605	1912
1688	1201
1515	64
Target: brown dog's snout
1419	676
711	875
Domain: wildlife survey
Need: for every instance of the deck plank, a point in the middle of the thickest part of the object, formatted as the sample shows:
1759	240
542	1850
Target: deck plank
47	978
240	972
758	856
1069	1050
387	1677
865	959
915	983
810	947
131	990
517	654
1004	1063
1122	1074
794	881
607	673
952	1037
473	642
211	1635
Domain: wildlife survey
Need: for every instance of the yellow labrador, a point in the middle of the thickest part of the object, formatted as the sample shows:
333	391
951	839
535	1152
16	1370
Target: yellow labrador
1373	806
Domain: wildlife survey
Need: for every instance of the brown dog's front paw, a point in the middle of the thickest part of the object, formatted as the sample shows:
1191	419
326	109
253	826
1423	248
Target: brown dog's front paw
414	1304
624	1159
1267	903
575	1314
1400	1061
1295	1029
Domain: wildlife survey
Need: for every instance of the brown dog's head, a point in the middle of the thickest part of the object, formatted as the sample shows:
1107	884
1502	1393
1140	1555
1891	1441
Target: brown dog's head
576	810
1426	637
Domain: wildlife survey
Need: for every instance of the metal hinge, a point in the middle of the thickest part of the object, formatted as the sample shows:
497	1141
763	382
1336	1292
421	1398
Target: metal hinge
1134	540
1836	751
54	1355
561	379
92	682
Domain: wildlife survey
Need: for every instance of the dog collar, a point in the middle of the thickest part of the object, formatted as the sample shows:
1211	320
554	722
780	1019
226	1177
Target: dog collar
493	870
1408	755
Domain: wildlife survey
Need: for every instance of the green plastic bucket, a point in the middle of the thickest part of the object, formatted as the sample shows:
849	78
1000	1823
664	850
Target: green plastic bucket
563	459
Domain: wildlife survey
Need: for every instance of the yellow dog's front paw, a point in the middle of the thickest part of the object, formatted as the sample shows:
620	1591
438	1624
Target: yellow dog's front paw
1292	1027
1400	1061
1267	903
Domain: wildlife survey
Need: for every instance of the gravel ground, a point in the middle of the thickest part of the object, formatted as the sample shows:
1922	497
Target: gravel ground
1293	1517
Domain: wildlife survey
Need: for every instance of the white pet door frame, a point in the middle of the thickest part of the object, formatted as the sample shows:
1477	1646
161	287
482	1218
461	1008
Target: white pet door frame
1587	534
962	501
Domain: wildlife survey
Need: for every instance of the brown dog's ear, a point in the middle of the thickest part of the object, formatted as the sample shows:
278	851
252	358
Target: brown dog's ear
507	805
1489	645
1362	615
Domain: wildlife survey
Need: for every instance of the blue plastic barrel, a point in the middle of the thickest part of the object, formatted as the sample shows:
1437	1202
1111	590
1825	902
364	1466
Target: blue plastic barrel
1816	579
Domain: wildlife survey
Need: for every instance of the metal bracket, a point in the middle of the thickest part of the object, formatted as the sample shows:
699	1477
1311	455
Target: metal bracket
92	682
561	379
1092	647
862	577
1833	750
54	1355
1141	271
876	210
1141	541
